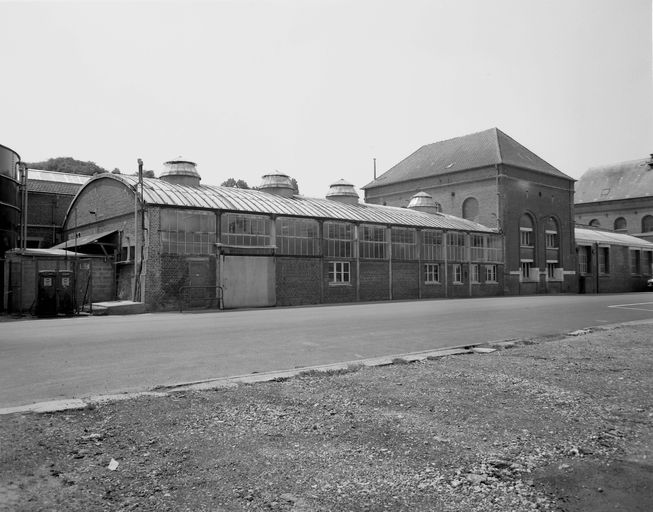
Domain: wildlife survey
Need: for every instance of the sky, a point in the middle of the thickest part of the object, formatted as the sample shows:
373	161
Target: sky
317	89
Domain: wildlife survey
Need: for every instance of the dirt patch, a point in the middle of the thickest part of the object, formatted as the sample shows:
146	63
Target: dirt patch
541	426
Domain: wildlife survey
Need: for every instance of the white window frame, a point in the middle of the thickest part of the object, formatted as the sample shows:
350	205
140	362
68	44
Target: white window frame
457	271
339	273
526	264
432	273
491	273
526	235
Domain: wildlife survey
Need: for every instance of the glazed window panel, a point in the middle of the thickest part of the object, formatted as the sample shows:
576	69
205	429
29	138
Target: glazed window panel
339	272
339	239
478	247
648	262
494	248
526	237
372	241
604	260
526	269
457	273
491	273
187	232
456	246
432	245
298	237
432	273
248	230
404	244
583	259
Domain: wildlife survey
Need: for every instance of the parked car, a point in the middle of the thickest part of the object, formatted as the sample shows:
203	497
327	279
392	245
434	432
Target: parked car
649	285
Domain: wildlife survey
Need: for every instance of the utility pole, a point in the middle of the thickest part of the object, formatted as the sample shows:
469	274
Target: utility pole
374	167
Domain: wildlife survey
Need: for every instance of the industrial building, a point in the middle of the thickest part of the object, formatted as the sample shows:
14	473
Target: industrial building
175	240
490	178
618	197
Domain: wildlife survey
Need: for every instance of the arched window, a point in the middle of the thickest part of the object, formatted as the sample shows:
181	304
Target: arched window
620	224
647	223
527	248
595	223
470	208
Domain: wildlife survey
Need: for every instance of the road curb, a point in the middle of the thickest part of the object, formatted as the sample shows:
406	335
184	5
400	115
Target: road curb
234	381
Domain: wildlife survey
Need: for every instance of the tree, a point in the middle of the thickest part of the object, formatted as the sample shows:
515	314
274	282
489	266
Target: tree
231	182
68	164
115	171
294	185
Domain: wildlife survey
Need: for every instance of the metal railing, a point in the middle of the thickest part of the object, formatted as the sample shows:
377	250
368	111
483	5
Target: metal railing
185	296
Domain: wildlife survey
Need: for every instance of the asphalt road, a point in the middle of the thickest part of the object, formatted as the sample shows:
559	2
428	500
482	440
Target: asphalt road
52	359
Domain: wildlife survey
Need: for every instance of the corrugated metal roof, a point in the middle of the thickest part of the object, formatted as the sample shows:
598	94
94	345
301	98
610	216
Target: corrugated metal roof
83	240
623	180
62	177
49	182
159	192
486	148
608	237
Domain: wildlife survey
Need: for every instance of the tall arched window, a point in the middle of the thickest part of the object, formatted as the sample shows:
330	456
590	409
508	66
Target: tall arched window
470	208
527	248
620	224
552	241
647	223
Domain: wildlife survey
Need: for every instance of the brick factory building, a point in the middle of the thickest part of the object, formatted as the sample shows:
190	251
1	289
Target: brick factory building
618	197
490	178
265	247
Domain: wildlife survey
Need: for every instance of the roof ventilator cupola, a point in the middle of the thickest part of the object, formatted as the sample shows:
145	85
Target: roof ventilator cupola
181	172
423	202
277	183
343	192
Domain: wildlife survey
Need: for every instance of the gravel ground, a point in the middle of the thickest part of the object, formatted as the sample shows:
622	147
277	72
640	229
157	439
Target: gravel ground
556	424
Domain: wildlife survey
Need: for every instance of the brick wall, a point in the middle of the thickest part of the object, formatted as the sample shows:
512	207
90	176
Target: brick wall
340	292
606	212
374	280
619	279
298	281
405	280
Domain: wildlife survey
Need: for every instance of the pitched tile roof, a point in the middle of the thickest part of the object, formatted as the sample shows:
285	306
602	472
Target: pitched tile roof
623	180
481	149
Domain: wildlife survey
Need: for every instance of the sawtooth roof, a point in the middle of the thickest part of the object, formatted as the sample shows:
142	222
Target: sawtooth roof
163	193
622	180
486	148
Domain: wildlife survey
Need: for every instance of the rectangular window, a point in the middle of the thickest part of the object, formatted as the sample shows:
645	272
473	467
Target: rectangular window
526	269
432	273
604	260
648	262
297	237
551	239
457	274
404	244
526	237
583	259
248	230
634	261
494	248
339	239
372	242
187	232
475	273
339	272
456	246
432	245
551	270
491	273
478	247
